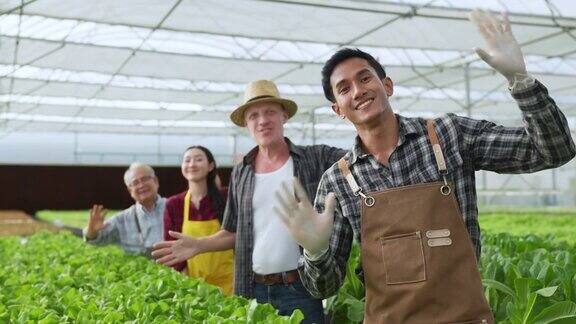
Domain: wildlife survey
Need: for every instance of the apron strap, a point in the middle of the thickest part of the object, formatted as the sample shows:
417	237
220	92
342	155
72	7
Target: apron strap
440	162
345	169
436	148
186	211
140	236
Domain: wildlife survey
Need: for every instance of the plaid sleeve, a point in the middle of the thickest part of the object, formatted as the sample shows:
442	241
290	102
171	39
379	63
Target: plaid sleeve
545	141
230	217
333	154
324	276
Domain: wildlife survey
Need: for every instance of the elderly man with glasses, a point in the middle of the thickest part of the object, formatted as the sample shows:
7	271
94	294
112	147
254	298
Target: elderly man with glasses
139	226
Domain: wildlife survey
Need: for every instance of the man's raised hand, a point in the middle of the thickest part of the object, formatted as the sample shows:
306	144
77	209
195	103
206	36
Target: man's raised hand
502	51
96	221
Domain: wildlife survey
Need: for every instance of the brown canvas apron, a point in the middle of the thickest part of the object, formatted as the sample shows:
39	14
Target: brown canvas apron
418	260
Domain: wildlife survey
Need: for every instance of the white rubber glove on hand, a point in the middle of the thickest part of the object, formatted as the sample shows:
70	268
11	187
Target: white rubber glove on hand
502	50
309	229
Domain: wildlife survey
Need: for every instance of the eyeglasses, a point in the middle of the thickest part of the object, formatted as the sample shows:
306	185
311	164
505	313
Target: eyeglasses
136	182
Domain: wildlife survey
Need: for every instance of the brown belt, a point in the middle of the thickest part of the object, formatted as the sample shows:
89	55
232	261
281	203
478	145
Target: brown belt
287	277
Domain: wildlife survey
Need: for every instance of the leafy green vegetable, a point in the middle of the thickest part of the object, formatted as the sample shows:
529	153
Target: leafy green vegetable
527	279
57	278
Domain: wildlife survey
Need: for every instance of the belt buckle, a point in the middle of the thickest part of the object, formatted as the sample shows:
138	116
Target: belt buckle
285	278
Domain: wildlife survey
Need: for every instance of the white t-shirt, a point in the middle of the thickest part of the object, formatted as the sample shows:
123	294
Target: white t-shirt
274	249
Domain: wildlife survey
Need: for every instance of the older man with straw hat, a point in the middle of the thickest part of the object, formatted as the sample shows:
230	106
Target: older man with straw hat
266	256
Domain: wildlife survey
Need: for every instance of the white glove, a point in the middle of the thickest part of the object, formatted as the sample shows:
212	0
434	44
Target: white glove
502	50
311	230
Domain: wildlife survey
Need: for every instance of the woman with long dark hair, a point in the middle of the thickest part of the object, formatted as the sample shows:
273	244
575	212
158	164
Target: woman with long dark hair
197	212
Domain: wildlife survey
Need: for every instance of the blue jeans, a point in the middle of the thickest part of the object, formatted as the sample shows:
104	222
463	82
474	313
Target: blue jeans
287	298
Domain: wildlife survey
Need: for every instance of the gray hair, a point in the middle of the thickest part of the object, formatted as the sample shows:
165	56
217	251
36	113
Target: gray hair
133	167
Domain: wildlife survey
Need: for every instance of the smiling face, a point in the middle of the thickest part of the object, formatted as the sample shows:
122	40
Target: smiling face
265	121
360	95
143	186
195	165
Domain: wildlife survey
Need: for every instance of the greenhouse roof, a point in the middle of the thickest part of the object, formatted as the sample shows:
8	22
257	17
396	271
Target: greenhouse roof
180	67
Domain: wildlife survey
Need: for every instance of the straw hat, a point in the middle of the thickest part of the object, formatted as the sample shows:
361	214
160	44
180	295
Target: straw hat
261	91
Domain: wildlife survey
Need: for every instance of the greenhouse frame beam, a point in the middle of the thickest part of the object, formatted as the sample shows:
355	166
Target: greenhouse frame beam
407	11
21	6
412	10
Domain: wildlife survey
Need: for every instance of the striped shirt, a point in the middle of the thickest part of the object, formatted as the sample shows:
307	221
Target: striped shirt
310	162
468	145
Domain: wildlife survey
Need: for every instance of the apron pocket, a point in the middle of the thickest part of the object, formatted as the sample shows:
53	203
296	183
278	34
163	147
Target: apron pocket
403	257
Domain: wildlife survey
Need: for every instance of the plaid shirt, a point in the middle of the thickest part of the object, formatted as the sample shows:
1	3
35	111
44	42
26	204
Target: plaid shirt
310	162
468	145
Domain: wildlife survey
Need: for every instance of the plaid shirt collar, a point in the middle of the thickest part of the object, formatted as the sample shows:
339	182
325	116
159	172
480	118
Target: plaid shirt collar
294	150
407	127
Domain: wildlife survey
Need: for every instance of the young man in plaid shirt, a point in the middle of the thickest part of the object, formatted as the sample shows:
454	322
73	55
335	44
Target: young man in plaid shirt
406	190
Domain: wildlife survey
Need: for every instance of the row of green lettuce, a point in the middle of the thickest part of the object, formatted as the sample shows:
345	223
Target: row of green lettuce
530	279
49	278
559	223
516	221
57	278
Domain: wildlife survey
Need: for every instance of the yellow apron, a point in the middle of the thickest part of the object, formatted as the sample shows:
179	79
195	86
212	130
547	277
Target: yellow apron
216	268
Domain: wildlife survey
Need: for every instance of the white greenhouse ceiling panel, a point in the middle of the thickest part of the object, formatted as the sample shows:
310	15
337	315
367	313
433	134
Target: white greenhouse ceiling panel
27	52
62	89
132	12
270	19
85	58
196	97
202	68
149	67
